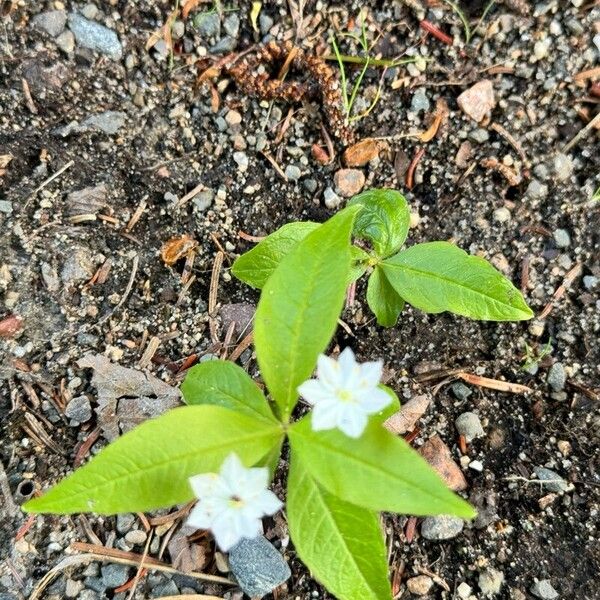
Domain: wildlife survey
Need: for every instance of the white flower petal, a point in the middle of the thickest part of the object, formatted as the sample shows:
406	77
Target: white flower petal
204	485
226	531
314	391
268	503
256	480
201	517
373	400
328	371
232	470
371	372
347	361
353	422
325	415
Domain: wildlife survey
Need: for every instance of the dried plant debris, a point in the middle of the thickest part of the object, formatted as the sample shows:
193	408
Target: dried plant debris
126	397
256	75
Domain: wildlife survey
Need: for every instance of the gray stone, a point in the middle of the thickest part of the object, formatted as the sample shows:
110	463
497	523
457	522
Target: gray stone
563	167
420	101
562	238
168	588
224	45
460	390
469	425
490	582
537	190
77	267
442	527
52	22
94	36
241	158
137	537
479	136
590	282
292	172
125	522
232	25
208	24
90	11
258	567
331	199
96	583
575	26
79	409
203	200
543	589
541	172
6	207
552	481
310	185
109	122
114	575
557	377
502	215
265	22
66	42
73	588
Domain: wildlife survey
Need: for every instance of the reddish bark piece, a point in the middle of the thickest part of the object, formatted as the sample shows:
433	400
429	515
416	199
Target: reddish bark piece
478	101
10	326
438	455
361	153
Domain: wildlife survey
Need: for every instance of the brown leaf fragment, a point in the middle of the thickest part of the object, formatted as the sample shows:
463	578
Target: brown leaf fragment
126	397
186	556
438	455
359	154
89	200
405	419
177	248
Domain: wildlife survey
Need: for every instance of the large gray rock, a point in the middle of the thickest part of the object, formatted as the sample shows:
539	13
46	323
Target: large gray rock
258	567
441	527
94	36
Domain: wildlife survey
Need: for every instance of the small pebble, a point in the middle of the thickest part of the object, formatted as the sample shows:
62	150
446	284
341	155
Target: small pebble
331	199
241	158
420	101
557	377
419	585
125	522
233	117
292	172
478	101
137	537
543	589
502	215
460	390
536	190
464	590
114	575
562	238
551	480
563	167
348	182
490	582
479	136
442	527
469	425
79	410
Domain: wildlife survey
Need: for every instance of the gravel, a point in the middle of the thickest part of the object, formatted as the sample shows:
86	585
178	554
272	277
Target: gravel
469	425
443	527
79	410
114	575
52	22
293	173
543	589
461	391
562	238
94	36
420	102
552	481
258	567
490	582
557	377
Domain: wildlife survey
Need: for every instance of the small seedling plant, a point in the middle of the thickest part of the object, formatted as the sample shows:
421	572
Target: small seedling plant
224	446
433	277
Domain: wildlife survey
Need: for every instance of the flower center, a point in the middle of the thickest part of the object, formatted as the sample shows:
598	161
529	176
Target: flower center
345	395
235	502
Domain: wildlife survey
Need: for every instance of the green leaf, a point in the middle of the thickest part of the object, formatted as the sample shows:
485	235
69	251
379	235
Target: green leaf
359	263
256	266
438	276
384	220
392	408
383	299
342	544
386	473
149	467
299	307
225	384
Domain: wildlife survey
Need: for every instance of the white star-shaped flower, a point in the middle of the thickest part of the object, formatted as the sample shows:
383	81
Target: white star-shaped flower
345	393
232	502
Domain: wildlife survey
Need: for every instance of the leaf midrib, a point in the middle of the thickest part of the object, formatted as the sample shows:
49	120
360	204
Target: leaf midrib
180	457
431	275
377	469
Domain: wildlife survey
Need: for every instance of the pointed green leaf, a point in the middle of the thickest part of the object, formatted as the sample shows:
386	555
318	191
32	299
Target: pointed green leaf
383	299
342	544
299	307
359	263
387	474
225	384
148	467
384	220
438	276
256	266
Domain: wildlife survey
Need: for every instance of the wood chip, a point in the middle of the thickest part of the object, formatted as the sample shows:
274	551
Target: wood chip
405	419
494	384
438	455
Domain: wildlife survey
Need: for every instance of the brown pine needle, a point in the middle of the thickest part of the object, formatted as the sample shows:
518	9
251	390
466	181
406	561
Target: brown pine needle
494	384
